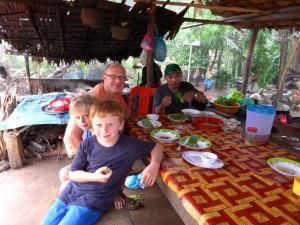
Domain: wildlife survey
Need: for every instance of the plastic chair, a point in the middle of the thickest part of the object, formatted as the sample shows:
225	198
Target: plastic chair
145	94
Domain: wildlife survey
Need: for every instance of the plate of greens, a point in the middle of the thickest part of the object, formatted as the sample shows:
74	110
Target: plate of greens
149	124
285	166
165	135
195	142
178	117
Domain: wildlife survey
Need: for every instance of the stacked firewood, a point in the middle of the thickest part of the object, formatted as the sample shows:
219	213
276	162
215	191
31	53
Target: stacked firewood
7	104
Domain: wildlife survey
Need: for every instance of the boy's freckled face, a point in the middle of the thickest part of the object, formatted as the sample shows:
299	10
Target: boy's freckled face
107	129
82	119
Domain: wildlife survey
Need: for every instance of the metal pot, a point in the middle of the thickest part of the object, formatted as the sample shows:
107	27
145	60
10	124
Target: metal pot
281	108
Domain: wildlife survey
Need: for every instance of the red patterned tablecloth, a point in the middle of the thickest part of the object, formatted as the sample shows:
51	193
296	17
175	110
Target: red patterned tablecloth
246	190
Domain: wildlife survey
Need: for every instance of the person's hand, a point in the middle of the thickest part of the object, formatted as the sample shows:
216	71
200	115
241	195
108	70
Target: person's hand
149	175
101	174
167	100
188	96
201	97
119	202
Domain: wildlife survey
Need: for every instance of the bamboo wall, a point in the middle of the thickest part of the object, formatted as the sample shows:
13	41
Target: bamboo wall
41	86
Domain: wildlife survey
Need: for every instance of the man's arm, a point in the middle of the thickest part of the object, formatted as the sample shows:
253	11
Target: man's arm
72	137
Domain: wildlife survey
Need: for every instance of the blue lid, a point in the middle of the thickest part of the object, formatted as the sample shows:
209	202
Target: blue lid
263	109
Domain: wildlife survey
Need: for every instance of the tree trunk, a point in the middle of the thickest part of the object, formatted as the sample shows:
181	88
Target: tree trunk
284	49
233	71
292	58
248	60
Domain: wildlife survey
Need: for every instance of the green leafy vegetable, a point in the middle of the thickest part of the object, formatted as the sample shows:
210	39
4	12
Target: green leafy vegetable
147	123
136	197
107	170
235	96
193	139
223	100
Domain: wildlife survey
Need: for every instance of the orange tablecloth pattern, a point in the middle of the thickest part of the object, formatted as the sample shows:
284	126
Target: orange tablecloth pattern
246	190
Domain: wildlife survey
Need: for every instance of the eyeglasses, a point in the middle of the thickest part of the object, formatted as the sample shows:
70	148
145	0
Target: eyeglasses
114	77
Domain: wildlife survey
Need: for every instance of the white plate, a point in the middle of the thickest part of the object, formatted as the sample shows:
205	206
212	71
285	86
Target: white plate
194	158
201	143
155	123
48	110
285	166
191	112
178	117
165	135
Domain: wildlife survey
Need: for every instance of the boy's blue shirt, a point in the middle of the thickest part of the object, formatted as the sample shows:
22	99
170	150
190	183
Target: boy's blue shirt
91	156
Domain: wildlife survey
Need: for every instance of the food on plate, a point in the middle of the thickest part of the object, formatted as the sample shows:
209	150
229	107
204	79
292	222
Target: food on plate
178	117
147	123
193	140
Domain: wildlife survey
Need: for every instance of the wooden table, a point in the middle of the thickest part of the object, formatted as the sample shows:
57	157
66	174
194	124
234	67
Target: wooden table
246	190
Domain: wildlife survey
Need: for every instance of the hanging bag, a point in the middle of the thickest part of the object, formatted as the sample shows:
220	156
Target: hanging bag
160	48
147	42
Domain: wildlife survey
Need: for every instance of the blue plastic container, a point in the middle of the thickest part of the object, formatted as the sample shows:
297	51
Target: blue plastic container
262	118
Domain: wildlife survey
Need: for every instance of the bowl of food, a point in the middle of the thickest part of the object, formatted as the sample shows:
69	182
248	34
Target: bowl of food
208	123
152	116
208	158
165	135
60	104
232	123
231	109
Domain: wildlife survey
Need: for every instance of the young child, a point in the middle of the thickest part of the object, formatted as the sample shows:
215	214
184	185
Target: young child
80	112
92	187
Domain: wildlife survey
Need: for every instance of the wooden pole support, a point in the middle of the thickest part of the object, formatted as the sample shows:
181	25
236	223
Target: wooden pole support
15	149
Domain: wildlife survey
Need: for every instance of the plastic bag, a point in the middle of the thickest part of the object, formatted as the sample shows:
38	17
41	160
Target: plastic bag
147	42
160	49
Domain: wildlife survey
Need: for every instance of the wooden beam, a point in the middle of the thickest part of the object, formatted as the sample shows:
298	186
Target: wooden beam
268	13
60	4
223	8
203	22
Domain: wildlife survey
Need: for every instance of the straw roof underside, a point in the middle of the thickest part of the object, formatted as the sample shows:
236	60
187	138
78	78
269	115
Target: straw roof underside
53	28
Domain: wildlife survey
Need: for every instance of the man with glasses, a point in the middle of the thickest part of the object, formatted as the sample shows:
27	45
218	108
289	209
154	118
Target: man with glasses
113	83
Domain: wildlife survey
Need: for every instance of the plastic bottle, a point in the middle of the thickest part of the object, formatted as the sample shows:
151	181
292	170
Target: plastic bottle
250	136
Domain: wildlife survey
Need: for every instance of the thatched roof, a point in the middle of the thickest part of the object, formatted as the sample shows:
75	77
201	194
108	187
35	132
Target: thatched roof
54	28
270	14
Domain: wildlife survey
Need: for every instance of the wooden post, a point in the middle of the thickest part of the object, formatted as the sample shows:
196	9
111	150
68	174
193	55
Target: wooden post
28	72
15	149
150	79
248	60
291	59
